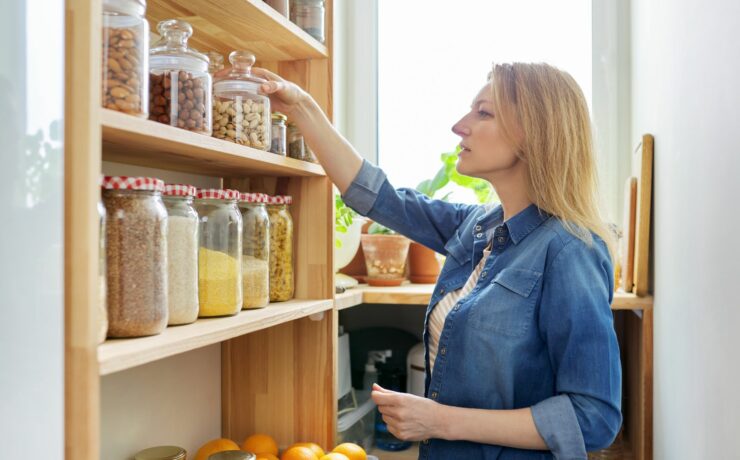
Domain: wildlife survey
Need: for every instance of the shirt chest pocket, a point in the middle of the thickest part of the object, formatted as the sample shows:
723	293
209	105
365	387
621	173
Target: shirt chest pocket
506	306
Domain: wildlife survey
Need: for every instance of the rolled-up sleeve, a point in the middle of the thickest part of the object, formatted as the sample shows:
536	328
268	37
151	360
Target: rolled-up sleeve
576	323
408	212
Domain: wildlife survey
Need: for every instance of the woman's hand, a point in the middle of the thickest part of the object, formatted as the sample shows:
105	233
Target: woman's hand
409	417
284	96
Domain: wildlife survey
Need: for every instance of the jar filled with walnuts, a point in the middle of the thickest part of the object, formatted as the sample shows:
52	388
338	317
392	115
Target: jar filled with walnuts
240	113
179	82
125	57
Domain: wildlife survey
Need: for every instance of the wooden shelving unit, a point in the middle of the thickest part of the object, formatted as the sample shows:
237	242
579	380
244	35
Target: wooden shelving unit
294	341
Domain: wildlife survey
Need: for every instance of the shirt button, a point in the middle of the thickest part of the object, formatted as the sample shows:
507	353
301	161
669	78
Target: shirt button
434	395
443	351
483	275
501	239
457	307
477	228
426	441
442	291
479	235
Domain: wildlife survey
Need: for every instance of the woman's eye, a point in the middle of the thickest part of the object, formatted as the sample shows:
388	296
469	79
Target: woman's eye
484	114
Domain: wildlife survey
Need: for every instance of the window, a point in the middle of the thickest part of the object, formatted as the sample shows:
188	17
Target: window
433	57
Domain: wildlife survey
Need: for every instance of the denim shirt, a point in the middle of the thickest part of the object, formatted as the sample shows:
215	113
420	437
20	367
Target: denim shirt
536	331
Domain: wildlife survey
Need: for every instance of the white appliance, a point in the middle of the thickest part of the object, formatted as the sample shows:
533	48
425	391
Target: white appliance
415	373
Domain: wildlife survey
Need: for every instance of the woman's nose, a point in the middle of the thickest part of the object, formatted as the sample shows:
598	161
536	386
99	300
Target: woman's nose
460	129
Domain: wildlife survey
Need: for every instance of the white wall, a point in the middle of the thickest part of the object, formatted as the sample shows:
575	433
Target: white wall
686	91
31	236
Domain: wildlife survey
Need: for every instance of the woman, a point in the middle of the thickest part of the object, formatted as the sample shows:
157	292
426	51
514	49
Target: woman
522	357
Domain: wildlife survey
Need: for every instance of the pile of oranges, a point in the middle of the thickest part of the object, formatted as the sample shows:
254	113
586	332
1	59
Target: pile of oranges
266	449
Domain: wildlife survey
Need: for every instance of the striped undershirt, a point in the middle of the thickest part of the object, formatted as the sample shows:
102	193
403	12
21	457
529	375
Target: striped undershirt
440	312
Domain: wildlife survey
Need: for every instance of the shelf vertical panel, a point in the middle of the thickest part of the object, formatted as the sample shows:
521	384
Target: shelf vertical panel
279	381
638	383
82	169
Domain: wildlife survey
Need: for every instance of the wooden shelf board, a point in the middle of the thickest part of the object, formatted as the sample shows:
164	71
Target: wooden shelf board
420	294
228	25
131	140
119	354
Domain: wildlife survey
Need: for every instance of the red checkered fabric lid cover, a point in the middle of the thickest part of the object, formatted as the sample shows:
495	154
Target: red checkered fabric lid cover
251	197
133	183
180	190
218	194
280	199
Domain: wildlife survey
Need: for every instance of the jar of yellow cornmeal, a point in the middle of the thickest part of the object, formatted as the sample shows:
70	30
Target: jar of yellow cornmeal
220	253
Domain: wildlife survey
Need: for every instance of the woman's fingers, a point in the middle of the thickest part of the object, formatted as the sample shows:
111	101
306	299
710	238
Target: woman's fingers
264	73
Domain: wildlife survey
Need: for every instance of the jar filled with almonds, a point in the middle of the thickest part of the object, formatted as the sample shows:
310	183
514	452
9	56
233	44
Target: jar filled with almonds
125	57
240	113
179	82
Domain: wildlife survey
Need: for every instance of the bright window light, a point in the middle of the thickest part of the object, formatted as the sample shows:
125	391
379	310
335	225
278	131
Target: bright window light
433	58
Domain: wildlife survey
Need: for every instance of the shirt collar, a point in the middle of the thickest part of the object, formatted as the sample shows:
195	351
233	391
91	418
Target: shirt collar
518	226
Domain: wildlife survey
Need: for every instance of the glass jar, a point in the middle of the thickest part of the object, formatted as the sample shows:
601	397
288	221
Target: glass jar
240	113
162	453
182	254
309	16
180	85
296	146
102	288
233	455
256	250
220	253
281	249
125	57
281	6
279	134
136	255
215	62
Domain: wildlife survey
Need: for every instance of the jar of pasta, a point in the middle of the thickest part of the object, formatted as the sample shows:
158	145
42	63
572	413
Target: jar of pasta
220	253
256	250
182	254
136	255
281	248
125	82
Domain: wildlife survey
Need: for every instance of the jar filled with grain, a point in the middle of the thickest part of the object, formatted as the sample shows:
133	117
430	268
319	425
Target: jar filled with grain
182	253
102	282
125	50
281	248
179	82
256	251
240	113
136	255
309	16
220	252
279	144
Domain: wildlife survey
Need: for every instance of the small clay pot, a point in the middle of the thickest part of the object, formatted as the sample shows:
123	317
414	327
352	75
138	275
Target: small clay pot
423	264
385	259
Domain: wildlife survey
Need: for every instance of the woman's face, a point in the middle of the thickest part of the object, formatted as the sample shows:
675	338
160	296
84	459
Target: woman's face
485	151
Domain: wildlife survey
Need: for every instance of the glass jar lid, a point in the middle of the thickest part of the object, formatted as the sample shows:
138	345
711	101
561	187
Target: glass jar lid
217	194
240	78
130	7
216	62
251	197
183	190
133	183
161	453
277	116
280	200
172	52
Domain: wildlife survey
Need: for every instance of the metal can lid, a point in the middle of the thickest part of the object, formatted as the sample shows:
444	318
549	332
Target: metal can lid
133	183
180	190
233	455
279	116
161	453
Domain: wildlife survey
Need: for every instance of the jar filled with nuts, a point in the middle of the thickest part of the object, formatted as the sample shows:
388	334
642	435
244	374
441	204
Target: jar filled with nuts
102	282
136	255
216	62
182	253
279	144
180	85
220	253
125	57
240	113
256	253
281	248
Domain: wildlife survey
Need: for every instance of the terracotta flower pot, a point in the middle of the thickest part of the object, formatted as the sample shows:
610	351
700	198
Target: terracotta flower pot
385	259
423	264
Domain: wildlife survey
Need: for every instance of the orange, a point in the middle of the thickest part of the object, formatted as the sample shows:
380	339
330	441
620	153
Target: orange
266	457
299	453
352	451
260	444
214	446
334	456
311	445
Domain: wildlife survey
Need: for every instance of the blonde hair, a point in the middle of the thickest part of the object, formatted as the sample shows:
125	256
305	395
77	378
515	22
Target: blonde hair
543	113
